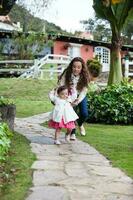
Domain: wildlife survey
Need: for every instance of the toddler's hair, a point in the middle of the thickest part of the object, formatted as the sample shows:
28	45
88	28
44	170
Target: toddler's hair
61	88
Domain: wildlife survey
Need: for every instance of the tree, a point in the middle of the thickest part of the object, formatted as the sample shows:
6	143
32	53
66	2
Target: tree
117	12
33	7
99	28
128	33
28	46
33	23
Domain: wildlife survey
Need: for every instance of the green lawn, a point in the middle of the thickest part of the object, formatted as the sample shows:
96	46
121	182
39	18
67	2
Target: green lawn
115	142
16	173
29	95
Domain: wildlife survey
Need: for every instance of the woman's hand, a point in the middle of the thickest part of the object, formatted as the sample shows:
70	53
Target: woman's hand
75	103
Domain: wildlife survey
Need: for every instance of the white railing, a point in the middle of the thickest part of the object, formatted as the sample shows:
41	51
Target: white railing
35	71
50	73
128	71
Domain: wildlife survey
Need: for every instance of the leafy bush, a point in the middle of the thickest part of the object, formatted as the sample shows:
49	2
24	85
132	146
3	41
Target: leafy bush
113	105
5	140
5	101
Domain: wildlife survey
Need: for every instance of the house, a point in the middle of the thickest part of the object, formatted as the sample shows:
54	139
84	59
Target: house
86	48
6	25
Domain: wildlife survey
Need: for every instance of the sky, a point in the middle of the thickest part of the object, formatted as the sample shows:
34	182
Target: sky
66	13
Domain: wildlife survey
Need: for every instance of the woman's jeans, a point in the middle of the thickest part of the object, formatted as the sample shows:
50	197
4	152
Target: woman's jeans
82	111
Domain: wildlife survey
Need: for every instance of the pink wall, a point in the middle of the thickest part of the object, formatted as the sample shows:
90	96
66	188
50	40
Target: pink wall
86	52
61	48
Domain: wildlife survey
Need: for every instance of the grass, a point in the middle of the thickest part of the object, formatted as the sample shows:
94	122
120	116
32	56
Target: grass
29	95
17	175
115	142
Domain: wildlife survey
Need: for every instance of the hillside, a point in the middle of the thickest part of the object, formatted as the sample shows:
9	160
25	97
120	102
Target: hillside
31	23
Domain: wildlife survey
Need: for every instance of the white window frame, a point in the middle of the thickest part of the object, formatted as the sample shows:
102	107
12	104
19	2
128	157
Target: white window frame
103	54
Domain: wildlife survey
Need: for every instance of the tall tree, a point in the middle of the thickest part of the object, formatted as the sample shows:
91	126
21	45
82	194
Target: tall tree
128	33
117	12
99	28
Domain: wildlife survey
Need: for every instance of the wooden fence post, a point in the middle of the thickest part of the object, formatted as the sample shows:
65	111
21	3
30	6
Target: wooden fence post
8	113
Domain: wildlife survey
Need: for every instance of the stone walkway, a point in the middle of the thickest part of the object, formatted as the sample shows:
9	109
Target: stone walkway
74	171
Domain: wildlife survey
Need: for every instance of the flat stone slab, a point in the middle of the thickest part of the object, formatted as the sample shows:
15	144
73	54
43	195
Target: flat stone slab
48	164
48	177
40	139
48	193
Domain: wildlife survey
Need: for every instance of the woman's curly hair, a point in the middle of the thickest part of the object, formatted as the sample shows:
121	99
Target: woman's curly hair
84	76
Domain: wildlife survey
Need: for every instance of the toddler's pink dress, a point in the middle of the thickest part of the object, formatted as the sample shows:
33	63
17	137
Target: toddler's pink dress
63	114
68	125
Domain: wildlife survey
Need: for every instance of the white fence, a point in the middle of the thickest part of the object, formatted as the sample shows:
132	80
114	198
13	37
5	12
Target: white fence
17	69
128	69
37	67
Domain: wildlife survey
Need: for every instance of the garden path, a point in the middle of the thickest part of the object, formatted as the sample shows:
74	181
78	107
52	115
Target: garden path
74	171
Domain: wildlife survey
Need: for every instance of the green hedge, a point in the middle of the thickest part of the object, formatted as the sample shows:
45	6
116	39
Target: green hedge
5	140
113	105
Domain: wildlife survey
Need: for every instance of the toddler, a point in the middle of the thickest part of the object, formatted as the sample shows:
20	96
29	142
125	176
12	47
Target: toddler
63	114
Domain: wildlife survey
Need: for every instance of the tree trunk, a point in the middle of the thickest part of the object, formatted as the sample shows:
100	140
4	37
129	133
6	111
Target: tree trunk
115	74
8	113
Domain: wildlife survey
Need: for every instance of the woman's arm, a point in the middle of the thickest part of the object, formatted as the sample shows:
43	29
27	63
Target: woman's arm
81	96
74	94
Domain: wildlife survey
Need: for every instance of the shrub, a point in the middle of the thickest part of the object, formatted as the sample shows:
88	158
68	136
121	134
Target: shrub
5	140
113	105
94	67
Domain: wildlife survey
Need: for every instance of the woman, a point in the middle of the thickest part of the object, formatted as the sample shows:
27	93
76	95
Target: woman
76	74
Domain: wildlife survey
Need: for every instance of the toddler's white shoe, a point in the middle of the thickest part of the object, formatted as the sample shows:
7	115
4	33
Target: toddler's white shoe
72	137
67	138
82	130
57	142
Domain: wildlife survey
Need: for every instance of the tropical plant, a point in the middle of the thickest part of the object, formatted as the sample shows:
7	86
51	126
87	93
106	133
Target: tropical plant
5	6
117	12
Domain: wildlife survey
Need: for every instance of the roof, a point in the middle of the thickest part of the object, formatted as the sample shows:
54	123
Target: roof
5	19
84	41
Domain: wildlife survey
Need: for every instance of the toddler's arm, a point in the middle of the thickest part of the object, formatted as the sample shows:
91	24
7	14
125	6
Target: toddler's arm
52	95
